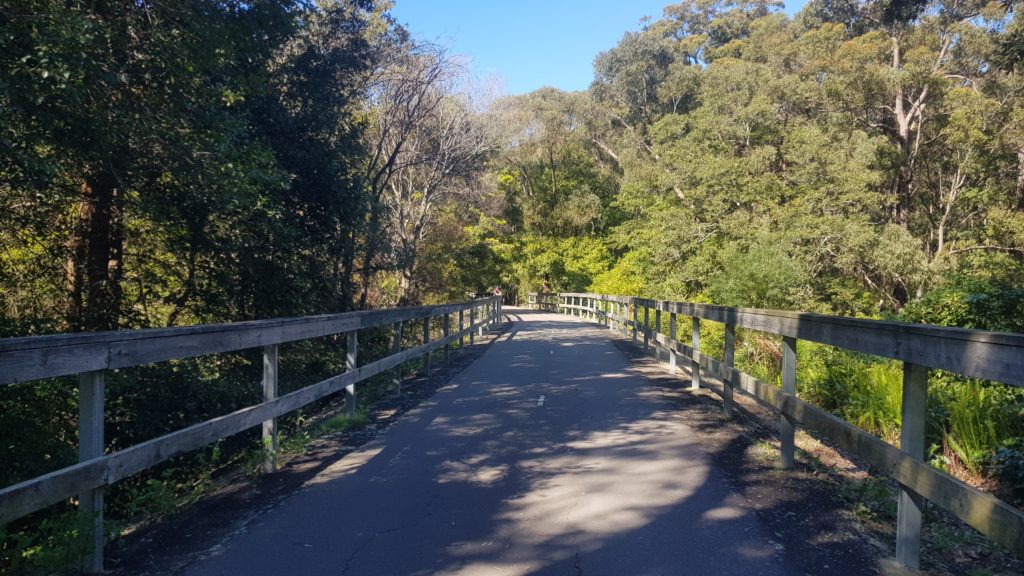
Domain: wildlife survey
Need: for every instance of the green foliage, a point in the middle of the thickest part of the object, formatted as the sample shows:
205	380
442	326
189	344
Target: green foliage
864	390
764	276
870	498
972	302
975	420
626	278
560	264
724	153
43	417
1007	466
468	252
342	422
53	546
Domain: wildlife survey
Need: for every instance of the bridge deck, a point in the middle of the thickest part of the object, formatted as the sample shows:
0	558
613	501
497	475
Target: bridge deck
549	455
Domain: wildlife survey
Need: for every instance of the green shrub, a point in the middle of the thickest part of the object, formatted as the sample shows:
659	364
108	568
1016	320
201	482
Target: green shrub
764	276
971	302
1007	468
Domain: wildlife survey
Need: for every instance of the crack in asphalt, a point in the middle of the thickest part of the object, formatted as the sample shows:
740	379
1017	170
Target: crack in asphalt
364	545
427	513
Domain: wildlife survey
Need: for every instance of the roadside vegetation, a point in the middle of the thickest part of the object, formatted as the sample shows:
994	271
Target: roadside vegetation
185	162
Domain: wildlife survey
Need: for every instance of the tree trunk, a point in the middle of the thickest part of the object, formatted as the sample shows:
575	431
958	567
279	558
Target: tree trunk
348	258
372	240
901	190
97	256
902	134
404	285
406	268
1020	178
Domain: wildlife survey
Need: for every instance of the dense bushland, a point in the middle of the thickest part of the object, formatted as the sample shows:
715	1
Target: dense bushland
859	158
181	162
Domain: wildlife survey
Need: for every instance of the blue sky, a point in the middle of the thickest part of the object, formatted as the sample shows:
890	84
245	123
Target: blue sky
530	43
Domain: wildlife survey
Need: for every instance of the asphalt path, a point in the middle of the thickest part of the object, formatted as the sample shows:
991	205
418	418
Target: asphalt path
548	455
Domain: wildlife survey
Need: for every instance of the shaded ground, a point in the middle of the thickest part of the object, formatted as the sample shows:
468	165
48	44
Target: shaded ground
167	546
801	507
575	485
601	476
827	497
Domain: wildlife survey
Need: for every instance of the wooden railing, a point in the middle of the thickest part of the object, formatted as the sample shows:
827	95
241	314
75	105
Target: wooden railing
90	355
975	353
547	301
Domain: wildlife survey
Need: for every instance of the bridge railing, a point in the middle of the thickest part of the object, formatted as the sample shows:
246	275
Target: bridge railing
974	353
91	355
547	301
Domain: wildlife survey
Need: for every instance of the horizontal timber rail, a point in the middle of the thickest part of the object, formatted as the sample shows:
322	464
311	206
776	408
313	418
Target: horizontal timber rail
89	355
974	353
547	301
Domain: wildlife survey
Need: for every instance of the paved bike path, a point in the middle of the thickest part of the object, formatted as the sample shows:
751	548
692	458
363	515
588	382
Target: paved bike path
548	455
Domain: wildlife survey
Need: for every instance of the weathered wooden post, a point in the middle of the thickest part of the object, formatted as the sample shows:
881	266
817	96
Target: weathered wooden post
647	329
672	361
472	325
636	320
447	344
729	359
624	319
462	327
270	385
351	356
396	348
90	445
657	332
695	362
426	340
910	504
787	426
